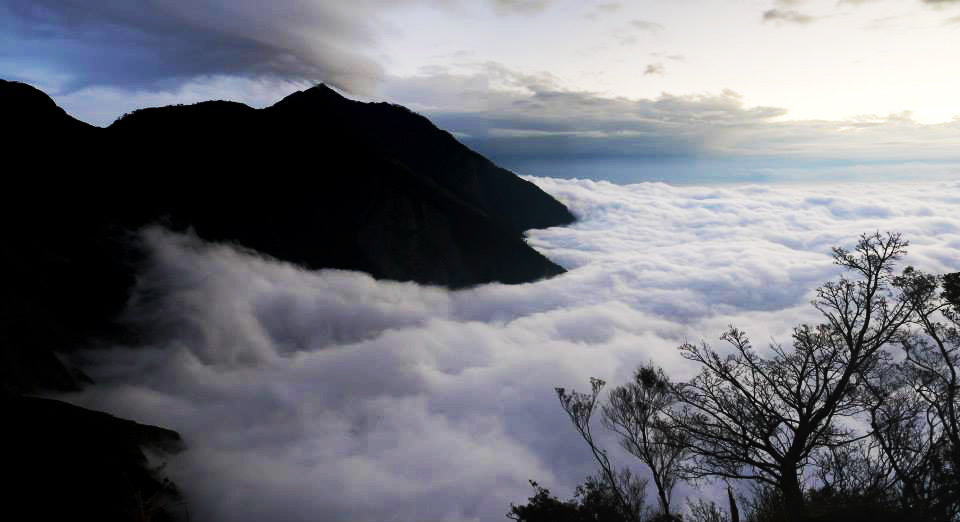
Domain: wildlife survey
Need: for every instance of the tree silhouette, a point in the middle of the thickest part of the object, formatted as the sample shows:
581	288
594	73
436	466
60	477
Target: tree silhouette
762	418
829	427
635	412
915	405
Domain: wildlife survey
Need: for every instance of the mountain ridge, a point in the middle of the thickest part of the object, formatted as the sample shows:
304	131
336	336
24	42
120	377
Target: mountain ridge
317	180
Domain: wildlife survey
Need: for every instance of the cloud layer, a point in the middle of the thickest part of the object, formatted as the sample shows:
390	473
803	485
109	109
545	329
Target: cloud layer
162	44
528	121
330	396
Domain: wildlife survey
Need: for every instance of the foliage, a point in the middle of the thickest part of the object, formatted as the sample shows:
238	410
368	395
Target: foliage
594	501
544	507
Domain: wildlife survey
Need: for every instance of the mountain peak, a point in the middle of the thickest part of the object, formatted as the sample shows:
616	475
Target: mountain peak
30	110
320	94
324	90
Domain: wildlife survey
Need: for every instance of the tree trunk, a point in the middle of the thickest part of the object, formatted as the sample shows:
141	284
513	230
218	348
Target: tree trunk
664	503
734	512
792	494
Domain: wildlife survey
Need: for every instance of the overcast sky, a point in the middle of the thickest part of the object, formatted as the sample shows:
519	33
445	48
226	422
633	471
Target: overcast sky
531	81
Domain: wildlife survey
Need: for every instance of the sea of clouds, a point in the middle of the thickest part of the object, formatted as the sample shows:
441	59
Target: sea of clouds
328	395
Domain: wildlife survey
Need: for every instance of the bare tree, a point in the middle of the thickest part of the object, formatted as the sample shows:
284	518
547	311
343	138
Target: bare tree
899	432
855	472
636	413
580	407
704	511
916	419
762	418
933	355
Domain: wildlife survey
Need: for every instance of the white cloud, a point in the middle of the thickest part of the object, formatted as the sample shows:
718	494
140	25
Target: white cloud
102	105
331	396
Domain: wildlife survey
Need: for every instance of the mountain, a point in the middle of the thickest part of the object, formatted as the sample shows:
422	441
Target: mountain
317	180
68	463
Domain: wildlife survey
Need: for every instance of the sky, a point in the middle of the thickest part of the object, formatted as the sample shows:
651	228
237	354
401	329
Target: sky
712	151
683	91
328	395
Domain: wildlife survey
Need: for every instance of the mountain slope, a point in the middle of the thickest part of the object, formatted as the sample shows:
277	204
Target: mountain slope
331	183
317	179
69	463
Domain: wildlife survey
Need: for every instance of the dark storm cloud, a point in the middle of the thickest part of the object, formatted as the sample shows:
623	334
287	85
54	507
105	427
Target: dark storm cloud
160	44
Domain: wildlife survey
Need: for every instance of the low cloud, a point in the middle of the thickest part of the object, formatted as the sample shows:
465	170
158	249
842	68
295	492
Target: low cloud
330	396
787	15
563	125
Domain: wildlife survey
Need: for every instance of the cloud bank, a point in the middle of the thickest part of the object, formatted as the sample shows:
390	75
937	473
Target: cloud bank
162	44
330	396
529	123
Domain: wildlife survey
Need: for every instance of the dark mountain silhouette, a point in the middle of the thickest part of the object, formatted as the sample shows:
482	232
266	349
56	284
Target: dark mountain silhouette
317	179
68	463
31	114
